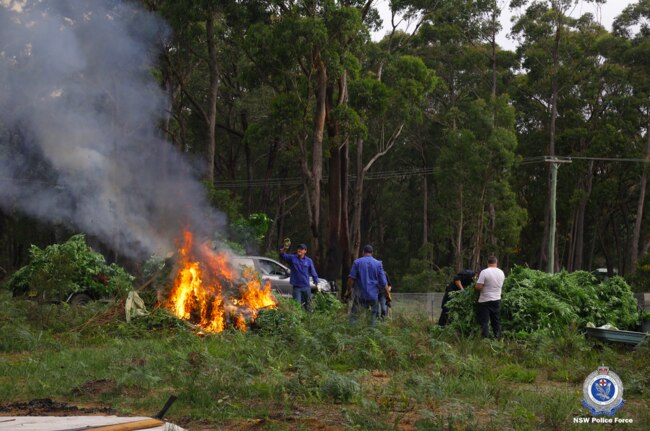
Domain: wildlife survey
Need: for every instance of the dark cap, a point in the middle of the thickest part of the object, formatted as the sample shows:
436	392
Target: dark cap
367	248
467	273
302	245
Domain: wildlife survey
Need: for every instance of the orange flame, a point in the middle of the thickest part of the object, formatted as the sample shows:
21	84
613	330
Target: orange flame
201	286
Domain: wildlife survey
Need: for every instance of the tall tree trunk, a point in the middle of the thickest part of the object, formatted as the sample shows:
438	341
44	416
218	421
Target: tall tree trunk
344	239
425	199
334	252
213	92
357	197
315	176
493	44
266	198
425	211
249	163
576	254
337	176
478	236
385	147
458	249
636	234
551	144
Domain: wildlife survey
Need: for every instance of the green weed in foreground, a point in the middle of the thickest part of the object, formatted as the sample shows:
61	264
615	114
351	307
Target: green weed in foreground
295	370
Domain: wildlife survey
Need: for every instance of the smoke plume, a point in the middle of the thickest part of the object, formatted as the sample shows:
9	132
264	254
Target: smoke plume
79	115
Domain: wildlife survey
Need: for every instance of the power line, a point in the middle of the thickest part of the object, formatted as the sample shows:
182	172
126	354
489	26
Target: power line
541	159
379	175
370	176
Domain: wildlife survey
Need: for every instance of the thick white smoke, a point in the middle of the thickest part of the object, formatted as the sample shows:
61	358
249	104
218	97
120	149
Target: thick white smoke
79	110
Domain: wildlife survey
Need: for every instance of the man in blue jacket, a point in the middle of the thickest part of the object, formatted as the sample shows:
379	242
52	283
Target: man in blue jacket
366	279
302	268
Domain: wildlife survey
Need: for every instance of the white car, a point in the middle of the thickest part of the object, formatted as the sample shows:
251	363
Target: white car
278	274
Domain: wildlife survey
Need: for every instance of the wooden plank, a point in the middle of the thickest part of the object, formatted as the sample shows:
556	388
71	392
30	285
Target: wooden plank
61	423
126	426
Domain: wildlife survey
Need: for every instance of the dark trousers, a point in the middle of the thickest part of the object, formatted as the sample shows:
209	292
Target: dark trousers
383	306
364	306
302	294
489	312
444	314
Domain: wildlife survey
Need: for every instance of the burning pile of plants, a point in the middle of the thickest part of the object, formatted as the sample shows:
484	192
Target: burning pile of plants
206	290
210	293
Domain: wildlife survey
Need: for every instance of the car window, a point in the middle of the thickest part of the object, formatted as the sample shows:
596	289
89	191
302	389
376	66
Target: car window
268	267
243	262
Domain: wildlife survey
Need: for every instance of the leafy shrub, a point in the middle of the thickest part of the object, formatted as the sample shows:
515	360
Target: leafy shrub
534	301
462	310
280	320
639	280
160	318
421	278
516	373
59	270
340	388
325	303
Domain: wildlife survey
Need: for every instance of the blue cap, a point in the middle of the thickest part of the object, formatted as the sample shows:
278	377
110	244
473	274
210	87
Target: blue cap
302	245
367	248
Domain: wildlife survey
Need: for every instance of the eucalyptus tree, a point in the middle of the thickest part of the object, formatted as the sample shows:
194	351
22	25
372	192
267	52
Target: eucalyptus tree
584	121
473	158
386	107
305	52
542	29
633	24
192	65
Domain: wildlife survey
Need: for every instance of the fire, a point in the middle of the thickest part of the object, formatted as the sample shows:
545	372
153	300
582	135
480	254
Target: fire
204	286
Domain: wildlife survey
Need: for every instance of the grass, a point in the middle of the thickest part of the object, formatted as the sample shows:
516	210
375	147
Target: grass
307	371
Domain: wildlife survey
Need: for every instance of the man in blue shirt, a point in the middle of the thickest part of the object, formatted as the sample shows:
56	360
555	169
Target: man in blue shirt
302	268
366	279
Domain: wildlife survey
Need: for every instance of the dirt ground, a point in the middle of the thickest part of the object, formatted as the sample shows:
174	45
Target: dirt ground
326	420
48	407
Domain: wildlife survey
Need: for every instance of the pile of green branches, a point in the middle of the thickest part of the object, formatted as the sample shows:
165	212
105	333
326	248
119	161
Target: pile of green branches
59	270
535	301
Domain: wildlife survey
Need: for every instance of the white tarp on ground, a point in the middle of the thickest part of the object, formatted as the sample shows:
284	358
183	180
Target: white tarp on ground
62	423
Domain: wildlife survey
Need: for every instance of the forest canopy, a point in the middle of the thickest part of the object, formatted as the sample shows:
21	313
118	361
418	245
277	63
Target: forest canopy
434	143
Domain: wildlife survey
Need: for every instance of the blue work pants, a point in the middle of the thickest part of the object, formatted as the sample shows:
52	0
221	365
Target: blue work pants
366	306
302	294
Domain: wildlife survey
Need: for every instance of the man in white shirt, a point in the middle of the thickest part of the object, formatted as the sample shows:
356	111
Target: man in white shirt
489	283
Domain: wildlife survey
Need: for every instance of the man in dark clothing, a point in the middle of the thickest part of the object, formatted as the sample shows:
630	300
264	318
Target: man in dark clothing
366	278
461	281
302	268
385	298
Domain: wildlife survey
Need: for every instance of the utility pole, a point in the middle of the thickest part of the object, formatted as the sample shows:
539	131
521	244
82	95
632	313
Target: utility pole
555	165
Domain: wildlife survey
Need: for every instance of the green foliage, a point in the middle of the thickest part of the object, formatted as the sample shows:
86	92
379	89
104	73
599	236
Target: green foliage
462	310
325	303
536	301
284	318
60	270
158	319
245	232
340	388
516	373
250	231
224	200
420	276
295	359
639	280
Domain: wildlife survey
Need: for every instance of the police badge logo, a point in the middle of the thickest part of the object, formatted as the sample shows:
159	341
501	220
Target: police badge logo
603	391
